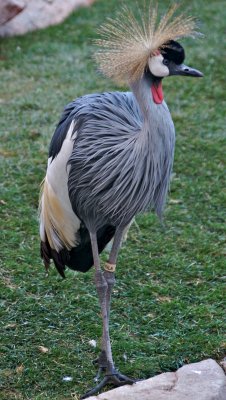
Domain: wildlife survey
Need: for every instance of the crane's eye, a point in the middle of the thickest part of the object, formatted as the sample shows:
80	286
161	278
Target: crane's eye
165	61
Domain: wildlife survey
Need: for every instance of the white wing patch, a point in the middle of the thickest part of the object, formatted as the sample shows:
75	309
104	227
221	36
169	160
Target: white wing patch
57	219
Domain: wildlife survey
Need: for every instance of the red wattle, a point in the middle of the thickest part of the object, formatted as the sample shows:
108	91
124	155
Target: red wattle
157	93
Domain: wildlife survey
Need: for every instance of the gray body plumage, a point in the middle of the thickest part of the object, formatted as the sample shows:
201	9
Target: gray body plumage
122	156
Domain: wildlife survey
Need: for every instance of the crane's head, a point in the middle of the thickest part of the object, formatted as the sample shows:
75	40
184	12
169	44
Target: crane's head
169	61
165	62
131	45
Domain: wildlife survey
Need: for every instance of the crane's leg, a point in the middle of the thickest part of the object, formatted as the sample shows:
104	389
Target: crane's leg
104	284
109	275
101	361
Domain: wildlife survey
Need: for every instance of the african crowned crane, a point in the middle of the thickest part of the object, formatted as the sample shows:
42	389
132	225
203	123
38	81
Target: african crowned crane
111	155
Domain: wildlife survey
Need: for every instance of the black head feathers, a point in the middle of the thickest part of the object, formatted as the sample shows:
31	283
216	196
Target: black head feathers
173	51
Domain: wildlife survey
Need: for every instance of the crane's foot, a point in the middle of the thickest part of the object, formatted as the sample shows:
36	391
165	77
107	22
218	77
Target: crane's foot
115	379
103	366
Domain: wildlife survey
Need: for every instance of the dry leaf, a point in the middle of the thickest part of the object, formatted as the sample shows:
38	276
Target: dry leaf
19	369
151	315
175	201
164	299
7	372
10	326
74	396
5	153
43	349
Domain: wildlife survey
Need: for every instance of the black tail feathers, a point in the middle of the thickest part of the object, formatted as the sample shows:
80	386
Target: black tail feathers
79	258
47	254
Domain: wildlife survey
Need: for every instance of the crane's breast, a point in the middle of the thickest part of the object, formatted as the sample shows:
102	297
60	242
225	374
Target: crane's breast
117	169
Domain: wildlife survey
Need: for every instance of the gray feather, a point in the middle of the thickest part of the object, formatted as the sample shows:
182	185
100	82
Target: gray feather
122	156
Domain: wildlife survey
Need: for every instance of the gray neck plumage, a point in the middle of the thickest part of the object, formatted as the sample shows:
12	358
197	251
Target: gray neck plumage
154	144
142	92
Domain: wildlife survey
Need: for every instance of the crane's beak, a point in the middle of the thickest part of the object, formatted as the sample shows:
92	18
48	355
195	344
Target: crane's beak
184	70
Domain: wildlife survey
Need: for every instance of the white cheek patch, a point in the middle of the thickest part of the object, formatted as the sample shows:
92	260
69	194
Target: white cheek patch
157	68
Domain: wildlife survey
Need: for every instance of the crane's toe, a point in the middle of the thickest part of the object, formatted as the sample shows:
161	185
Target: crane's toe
103	366
123	379
115	379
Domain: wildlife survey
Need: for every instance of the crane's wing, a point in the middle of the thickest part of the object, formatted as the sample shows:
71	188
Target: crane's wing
64	236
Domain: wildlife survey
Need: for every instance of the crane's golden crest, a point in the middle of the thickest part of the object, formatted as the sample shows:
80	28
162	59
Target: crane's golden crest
127	42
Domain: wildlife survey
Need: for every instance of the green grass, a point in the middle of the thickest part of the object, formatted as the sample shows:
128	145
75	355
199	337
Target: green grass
168	302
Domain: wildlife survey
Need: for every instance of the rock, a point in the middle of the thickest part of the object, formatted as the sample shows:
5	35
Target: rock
38	14
9	9
204	380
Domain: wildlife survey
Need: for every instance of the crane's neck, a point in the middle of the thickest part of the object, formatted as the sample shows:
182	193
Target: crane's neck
155	141
149	95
